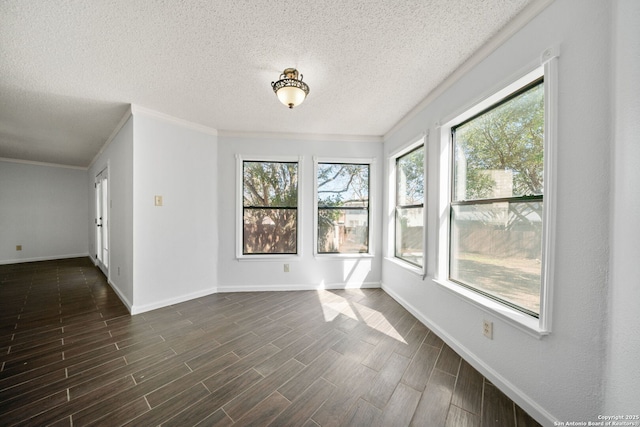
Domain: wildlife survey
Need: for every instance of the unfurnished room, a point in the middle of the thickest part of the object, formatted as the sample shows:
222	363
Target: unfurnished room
319	213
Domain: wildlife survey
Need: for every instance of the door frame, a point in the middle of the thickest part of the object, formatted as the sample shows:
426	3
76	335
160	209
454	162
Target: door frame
102	224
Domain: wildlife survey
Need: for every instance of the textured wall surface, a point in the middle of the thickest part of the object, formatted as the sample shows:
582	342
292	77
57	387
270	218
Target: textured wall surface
118	157
623	375
559	376
175	245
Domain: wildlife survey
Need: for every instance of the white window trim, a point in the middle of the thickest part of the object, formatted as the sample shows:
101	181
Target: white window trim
239	208
413	143
536	327
373	197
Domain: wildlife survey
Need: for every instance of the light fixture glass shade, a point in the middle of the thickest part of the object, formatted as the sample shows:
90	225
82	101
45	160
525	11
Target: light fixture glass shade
291	96
290	90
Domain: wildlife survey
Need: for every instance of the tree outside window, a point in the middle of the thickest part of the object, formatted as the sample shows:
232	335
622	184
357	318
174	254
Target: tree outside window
409	216
497	200
343	208
270	214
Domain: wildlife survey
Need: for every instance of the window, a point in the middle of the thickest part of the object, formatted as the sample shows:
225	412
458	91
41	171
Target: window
496	200
269	207
342	196
409	207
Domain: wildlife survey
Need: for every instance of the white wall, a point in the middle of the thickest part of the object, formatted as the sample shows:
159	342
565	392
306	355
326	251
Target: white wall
586	367
623	373
307	272
118	156
44	209
559	376
175	245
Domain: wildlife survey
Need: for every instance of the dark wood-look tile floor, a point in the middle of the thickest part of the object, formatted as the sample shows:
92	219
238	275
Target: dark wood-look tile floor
71	355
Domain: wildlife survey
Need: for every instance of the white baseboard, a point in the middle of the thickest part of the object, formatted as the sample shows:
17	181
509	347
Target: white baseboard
42	258
137	309
508	388
295	287
120	295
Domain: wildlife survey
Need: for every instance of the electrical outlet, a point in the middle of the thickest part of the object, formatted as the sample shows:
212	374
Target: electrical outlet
487	329
286	268
158	200
18	247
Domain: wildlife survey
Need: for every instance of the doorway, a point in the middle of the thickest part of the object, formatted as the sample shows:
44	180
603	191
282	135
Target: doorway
102	221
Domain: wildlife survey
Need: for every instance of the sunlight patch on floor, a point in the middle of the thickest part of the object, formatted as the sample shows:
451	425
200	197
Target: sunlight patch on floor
381	324
334	305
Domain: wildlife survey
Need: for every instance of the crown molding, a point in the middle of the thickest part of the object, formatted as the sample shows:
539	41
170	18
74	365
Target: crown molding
523	18
35	163
115	131
301	136
143	111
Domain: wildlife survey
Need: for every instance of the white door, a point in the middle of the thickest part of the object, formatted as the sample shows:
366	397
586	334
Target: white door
102	221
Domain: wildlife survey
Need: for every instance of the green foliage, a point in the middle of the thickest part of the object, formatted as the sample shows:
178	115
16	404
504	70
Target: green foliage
509	137
410	178
268	189
270	184
339	185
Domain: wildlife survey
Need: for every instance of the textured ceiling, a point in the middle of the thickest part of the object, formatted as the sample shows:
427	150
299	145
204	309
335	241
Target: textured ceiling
70	69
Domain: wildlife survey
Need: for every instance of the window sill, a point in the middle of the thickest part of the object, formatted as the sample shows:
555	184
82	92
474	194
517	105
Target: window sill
342	256
524	322
418	271
267	258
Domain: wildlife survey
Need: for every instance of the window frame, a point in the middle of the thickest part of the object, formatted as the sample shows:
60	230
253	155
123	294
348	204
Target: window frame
539	326
240	255
370	209
414	144
519	199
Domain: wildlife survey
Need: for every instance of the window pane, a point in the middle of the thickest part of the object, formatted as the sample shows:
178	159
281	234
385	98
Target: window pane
497	249
410	178
273	184
343	231
409	235
500	153
269	231
343	185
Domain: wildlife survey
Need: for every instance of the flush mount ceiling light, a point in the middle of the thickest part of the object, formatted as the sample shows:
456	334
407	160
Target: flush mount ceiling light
290	90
